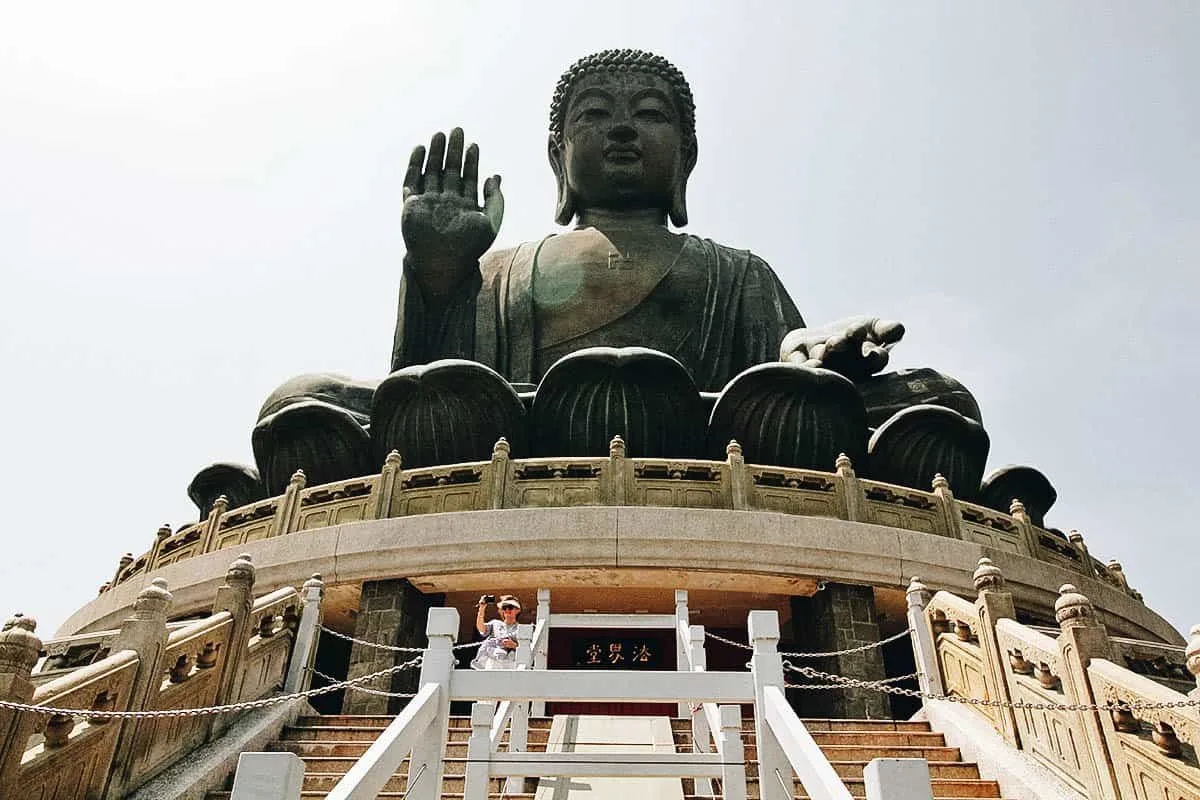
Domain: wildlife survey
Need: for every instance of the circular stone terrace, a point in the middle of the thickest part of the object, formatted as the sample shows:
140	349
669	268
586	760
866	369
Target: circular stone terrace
724	527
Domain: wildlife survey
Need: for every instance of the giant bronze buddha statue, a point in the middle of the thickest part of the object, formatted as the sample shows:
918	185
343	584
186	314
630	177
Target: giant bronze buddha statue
618	326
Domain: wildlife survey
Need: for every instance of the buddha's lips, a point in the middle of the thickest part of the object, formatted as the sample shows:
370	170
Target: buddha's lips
622	154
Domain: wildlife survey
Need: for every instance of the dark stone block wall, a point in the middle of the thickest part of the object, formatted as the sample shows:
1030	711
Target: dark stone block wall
839	617
391	612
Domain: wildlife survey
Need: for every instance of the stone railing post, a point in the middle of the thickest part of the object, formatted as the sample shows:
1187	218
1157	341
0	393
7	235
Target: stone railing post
308	634
388	486
739	489
518	725
1016	510
437	666
499	473
993	603
701	734
766	667
540	656
619	480
897	779
144	632
289	505
19	649
160	536
1193	659
235	596
683	710
849	491
479	752
124	562
1087	567
212	523
1083	638
733	755
929	672
950	512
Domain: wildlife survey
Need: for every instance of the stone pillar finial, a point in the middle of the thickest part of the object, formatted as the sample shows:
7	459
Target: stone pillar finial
1193	653
988	577
616	448
733	448
915	584
19	646
1016	507
1075	537
241	573
940	482
298	479
843	463
1072	608
163	531
501	449
153	601
314	582
393	459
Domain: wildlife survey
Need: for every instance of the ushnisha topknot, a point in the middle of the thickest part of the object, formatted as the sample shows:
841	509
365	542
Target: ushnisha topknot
624	61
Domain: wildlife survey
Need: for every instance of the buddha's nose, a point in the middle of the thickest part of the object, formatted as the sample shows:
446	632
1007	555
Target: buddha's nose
622	132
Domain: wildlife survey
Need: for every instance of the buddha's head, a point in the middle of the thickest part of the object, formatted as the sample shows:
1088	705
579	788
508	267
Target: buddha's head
622	135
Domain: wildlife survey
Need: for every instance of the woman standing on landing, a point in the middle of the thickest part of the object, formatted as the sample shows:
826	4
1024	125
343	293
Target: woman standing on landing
499	647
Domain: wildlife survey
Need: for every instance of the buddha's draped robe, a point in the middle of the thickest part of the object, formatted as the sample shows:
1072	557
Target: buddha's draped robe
716	309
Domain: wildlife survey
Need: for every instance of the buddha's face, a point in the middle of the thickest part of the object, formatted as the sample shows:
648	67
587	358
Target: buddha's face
622	142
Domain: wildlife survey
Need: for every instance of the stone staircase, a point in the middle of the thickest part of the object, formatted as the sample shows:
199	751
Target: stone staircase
330	744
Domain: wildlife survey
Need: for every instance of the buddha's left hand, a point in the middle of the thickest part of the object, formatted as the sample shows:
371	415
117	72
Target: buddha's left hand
856	347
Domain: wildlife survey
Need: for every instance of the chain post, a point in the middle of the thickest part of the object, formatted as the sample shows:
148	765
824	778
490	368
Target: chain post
304	647
701	735
929	675
19	649
766	667
235	596
518	726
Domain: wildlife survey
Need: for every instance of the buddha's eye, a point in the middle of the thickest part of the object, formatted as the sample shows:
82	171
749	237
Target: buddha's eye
593	114
651	115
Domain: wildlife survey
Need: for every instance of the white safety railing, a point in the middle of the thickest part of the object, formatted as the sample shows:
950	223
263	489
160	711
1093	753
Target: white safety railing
503	700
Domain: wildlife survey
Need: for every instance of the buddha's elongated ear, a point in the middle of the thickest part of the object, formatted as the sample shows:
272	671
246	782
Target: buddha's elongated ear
564	208
687	163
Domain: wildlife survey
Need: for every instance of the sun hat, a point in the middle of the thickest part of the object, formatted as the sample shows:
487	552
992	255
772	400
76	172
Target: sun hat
508	600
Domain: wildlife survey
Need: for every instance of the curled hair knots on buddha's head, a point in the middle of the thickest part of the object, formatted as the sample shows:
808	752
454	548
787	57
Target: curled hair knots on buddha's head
625	61
616	61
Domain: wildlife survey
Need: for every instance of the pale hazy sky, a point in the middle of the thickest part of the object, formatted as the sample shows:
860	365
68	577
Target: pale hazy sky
199	202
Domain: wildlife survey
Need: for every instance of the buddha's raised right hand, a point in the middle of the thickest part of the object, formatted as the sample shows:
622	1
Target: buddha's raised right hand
445	230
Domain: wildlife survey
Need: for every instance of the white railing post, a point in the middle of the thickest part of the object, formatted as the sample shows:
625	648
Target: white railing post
268	776
304	648
733	755
682	646
929	677
479	752
426	766
538	707
518	727
700	733
898	779
767	669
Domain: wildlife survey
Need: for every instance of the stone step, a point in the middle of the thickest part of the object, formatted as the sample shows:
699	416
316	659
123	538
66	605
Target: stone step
942	788
451	784
349	733
821	724
950	770
355	749
383	720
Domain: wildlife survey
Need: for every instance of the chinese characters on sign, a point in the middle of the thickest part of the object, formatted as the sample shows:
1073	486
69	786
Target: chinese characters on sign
612	652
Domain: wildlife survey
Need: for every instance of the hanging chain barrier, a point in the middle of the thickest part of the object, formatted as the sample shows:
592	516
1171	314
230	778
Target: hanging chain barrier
881	686
201	712
912	676
363	689
830	654
391	647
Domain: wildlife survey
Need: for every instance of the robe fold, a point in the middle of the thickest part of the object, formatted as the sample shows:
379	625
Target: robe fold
716	309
